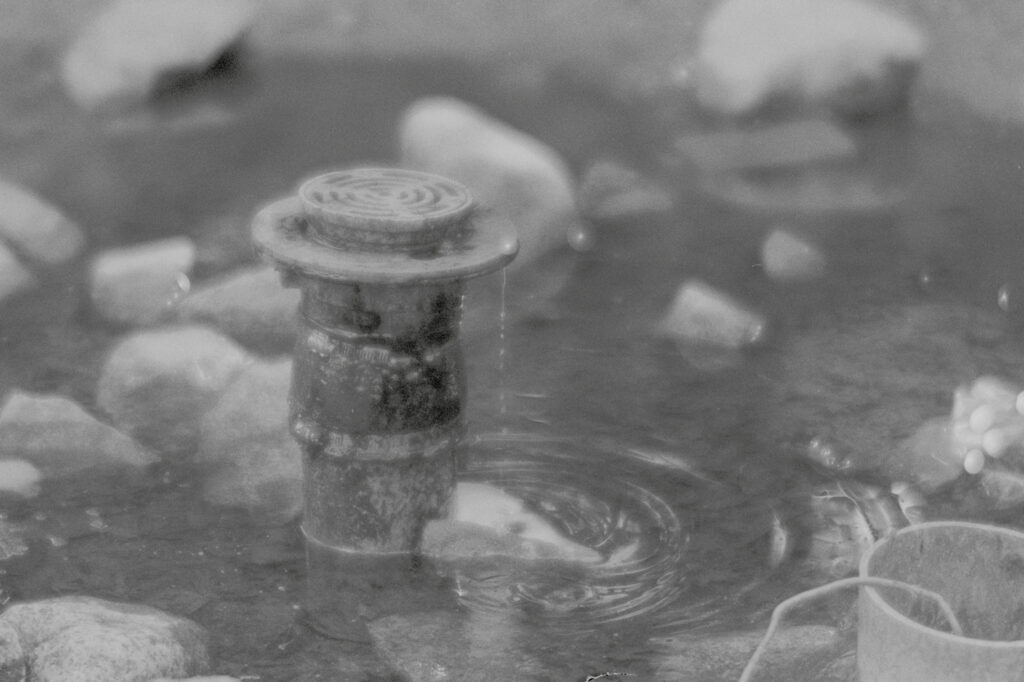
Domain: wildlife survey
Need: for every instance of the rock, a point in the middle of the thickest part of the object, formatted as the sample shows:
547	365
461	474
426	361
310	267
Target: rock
849	55
929	458
787	258
12	546
249	305
244	439
157	385
506	170
138	285
12	656
56	435
486	521
83	639
38	231
793	143
702	315
795	651
135	47
610	192
14	277
19	478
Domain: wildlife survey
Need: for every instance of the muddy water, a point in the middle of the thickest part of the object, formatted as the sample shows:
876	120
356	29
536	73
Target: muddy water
668	469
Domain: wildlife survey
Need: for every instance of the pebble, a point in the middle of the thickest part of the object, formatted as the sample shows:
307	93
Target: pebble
20	478
14	277
702	314
58	437
132	48
254	463
852	56
84	639
39	231
138	285
157	385
612	192
787	258
249	305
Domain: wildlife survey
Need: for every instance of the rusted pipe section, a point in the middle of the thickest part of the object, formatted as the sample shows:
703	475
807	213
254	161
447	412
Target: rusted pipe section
378	384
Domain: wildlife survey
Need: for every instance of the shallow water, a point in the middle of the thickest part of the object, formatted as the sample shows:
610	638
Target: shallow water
670	470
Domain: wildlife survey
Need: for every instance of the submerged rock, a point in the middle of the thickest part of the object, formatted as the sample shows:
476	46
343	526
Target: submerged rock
611	192
254	462
139	285
849	55
12	656
249	305
14	277
135	47
84	639
700	314
157	385
40	232
486	521
56	435
19	478
787	258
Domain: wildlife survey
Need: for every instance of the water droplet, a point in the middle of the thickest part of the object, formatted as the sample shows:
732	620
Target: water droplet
974	461
509	245
581	238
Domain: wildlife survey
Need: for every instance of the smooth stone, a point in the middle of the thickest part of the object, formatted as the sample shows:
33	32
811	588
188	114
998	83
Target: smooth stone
40	232
249	305
158	385
795	651
787	258
59	437
139	285
14	277
928	458
19	478
505	169
703	315
12	656
853	56
244	439
792	143
486	521
134	47
612	192
84	639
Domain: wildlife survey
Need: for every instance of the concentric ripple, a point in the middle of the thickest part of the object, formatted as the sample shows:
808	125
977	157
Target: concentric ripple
589	498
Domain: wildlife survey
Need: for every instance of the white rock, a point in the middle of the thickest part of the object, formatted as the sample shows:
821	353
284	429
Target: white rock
254	461
132	47
18	477
157	385
38	230
702	314
12	656
787	258
487	521
14	277
249	305
56	435
139	285
847	54
505	169
83	639
612	192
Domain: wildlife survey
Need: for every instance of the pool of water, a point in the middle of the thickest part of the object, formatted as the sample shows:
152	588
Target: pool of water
672	467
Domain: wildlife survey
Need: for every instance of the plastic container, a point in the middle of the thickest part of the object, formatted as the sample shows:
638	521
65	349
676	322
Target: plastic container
979	570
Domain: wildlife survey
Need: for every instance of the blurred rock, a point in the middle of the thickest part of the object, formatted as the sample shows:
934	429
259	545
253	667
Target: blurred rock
139	285
244	439
12	656
249	305
849	55
56	435
134	48
795	651
39	231
486	521
611	192
14	277
157	385
84	639
700	314
787	258
928	458
18	478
